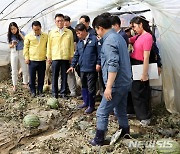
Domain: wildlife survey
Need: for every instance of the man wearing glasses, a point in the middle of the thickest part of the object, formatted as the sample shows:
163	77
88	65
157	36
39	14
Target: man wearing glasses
60	50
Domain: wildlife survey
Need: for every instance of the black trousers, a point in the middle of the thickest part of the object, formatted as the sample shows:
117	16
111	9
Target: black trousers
141	96
141	99
39	67
77	69
88	80
101	80
58	65
130	106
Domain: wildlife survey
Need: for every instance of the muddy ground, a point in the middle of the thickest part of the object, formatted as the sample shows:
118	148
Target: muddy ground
68	130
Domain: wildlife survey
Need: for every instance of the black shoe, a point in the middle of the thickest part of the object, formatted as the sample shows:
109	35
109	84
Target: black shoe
64	96
40	94
125	132
55	95
89	110
84	105
99	138
33	95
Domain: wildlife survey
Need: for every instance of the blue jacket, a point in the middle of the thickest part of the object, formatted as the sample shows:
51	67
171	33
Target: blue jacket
88	55
91	31
20	44
115	58
124	35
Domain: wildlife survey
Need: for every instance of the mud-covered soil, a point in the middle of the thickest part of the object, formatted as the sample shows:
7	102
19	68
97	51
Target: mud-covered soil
67	130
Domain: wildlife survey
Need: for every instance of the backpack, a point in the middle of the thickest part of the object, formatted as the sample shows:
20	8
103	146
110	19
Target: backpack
154	53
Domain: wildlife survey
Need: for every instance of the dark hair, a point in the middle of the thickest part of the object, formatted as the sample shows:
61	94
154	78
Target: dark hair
80	27
106	14
102	21
36	23
115	20
128	29
145	23
9	35
67	18
87	19
59	15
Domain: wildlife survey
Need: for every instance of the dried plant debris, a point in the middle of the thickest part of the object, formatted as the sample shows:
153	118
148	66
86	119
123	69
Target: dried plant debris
66	129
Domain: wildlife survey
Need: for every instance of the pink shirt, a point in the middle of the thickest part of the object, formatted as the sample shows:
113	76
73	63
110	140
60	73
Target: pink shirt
143	43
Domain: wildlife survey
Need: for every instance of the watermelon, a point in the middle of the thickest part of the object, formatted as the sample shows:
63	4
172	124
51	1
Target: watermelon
167	146
53	103
31	121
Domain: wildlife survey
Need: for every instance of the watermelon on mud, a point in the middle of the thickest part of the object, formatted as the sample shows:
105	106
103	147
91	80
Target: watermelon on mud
31	121
53	103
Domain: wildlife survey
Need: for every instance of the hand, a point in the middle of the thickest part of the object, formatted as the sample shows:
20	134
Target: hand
159	70
14	43
98	68
27	61
107	93
49	61
71	69
144	77
98	37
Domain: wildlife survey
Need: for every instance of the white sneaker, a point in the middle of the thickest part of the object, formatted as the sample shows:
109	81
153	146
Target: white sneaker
72	94
145	122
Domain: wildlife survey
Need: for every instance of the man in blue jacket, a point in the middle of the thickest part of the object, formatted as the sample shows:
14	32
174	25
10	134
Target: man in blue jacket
84	19
88	57
116	25
116	71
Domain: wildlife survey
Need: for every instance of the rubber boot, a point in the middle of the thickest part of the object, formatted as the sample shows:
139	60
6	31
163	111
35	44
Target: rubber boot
91	106
125	132
85	98
99	138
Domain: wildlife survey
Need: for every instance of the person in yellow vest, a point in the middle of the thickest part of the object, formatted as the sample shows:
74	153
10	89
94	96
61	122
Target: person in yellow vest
60	50
35	48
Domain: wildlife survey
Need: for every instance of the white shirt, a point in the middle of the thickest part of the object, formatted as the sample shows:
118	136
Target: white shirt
38	37
118	31
85	40
61	30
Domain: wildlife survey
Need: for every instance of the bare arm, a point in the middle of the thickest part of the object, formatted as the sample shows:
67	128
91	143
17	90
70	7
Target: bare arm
144	76
111	78
11	45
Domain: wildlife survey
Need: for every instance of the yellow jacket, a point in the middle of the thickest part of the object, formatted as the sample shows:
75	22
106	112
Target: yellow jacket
60	46
35	49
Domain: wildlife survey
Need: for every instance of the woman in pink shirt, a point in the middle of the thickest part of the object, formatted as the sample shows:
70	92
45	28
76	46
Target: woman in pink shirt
142	44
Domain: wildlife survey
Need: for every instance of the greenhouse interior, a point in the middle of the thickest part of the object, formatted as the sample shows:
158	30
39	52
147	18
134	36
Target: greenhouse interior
52	121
